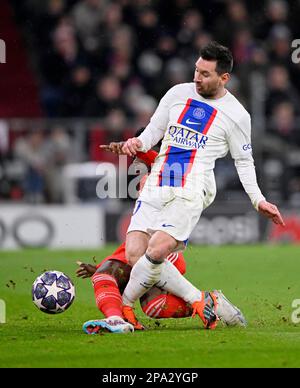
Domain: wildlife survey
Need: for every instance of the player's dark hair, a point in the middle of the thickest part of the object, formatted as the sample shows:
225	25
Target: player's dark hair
214	51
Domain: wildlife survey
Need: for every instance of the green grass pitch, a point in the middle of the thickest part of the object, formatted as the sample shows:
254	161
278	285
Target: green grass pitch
262	280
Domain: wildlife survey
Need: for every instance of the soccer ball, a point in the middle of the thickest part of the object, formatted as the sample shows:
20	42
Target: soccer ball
53	292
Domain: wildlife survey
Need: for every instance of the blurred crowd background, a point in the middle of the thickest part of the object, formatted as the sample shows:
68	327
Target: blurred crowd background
80	73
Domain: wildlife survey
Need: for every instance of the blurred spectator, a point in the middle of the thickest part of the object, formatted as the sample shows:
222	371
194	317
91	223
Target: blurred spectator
58	152
191	25
243	46
280	146
48	20
77	91
144	110
120	54
284	125
280	88
132	95
107	97
57	64
276	12
237	18
166	47
30	150
259	58
113	128
87	16
280	38
147	27
149	66
111	22
176	71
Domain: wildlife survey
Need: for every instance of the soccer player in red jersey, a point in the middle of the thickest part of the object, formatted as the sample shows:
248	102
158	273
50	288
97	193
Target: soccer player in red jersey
110	277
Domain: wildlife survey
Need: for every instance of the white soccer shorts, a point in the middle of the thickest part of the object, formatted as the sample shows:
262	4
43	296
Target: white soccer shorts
176	216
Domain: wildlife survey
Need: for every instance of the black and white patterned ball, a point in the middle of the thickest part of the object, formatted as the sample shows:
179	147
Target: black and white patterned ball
53	292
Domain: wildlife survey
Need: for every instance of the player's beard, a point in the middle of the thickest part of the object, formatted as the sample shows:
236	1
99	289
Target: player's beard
207	95
210	92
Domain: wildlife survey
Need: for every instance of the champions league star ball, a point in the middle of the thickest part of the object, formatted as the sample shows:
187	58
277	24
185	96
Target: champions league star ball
53	292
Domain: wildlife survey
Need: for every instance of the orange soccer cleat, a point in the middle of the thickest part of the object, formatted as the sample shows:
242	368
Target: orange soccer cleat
129	316
206	309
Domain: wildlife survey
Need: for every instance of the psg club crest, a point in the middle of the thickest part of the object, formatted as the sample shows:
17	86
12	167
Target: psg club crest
199	113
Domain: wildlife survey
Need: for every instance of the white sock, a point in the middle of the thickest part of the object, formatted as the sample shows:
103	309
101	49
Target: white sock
144	275
172	281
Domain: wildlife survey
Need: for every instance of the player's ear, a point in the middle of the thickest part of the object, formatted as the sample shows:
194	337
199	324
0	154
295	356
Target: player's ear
225	77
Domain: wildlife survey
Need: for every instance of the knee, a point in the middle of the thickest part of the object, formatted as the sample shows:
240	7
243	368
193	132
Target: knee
159	251
161	245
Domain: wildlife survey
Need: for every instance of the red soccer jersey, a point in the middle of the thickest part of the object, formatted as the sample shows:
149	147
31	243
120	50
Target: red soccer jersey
177	258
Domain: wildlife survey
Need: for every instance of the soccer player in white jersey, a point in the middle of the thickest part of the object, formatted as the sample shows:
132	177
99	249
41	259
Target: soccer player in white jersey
198	123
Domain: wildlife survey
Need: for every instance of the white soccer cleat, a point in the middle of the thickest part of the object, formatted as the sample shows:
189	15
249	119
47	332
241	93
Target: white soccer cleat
112	324
227	312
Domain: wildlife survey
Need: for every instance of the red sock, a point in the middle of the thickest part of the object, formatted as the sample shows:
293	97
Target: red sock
167	306
107	294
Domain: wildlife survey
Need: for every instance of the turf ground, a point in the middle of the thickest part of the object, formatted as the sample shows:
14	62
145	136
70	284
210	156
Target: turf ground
262	280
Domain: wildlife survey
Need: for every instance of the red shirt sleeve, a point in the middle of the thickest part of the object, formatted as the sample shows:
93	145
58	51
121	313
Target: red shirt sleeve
147	157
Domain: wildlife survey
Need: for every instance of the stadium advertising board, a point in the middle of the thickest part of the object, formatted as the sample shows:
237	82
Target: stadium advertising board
51	226
221	224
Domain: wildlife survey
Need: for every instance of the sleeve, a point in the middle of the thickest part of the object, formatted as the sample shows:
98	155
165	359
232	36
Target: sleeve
155	130
147	157
240	148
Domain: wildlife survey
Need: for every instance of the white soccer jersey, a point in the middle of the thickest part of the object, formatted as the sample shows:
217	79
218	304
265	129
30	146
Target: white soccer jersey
195	132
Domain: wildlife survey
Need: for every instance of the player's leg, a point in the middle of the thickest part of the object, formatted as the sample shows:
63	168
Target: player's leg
150	270
174	224
136	245
146	272
137	240
158	304
108	280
